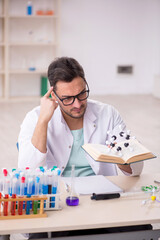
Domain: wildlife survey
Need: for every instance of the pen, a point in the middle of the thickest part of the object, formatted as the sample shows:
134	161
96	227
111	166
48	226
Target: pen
155	181
116	195
105	196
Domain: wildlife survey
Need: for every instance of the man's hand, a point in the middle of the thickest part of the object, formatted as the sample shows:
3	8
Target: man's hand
47	107
125	168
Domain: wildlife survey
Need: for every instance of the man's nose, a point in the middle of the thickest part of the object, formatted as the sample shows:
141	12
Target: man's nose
77	103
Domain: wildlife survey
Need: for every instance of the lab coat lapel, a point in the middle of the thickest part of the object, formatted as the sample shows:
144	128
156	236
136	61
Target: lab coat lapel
89	124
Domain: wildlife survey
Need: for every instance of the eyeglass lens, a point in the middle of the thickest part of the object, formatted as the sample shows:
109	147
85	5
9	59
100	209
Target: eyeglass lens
82	96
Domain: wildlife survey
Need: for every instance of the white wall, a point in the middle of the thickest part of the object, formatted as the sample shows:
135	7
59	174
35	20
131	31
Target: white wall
105	33
102	34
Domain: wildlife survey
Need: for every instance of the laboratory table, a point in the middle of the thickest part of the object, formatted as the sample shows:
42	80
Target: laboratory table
91	214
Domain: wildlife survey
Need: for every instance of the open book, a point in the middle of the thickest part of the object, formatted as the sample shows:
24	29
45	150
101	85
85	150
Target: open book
129	151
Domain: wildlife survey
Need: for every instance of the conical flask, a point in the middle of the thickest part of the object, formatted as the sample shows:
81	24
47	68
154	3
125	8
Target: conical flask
72	199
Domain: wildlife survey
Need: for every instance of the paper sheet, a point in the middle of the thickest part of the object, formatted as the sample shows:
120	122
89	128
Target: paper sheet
92	184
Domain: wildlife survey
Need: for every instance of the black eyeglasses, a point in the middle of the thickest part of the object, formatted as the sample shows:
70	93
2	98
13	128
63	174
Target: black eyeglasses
70	99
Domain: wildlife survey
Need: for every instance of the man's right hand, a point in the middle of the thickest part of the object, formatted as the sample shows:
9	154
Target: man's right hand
47	107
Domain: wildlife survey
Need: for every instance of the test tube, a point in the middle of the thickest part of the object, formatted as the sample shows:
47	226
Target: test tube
29	192
0	194
6	196
20	204
0	202
6	187
17	176
13	204
37	185
49	183
45	184
54	187
35	204
55	181
55	184
5	174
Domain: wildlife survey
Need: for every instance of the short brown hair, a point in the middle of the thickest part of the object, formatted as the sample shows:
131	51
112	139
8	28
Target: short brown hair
64	69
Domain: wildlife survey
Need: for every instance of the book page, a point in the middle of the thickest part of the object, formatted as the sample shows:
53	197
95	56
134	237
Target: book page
135	148
101	151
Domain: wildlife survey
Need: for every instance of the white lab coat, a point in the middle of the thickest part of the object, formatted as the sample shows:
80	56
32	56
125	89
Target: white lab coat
98	119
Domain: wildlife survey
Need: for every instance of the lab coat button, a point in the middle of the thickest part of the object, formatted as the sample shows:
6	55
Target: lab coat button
94	125
69	146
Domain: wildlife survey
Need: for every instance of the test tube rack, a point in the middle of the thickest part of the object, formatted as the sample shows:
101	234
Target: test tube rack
53	202
40	212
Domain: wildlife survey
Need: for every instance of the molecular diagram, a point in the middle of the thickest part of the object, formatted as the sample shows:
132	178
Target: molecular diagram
113	146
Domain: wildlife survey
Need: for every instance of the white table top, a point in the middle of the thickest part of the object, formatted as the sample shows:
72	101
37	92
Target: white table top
94	214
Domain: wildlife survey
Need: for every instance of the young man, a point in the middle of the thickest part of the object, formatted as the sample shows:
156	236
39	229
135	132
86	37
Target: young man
53	133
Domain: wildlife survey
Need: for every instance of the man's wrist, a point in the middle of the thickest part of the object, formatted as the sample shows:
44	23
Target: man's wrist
43	121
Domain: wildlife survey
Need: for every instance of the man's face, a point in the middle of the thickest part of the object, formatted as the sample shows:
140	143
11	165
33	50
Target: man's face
67	89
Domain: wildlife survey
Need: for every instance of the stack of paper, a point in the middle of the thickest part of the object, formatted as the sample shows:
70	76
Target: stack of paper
92	184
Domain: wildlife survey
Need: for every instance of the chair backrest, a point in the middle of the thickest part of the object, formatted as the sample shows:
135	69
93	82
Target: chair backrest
17	145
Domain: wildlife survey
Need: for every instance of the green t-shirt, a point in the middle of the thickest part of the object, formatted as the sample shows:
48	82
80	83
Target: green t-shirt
77	157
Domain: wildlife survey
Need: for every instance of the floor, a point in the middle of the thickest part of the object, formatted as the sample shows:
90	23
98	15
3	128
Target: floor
140	112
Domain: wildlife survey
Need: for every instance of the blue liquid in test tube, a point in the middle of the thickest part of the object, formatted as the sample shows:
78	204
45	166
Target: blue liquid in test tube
29	192
45	187
55	182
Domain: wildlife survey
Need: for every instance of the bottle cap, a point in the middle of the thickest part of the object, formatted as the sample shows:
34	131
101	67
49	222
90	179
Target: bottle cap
17	175
37	179
5	172
23	179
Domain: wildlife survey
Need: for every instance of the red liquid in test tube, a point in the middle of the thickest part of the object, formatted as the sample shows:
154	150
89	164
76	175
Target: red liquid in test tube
20	203
20	207
6	186
5	207
0	202
14	188
13	205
